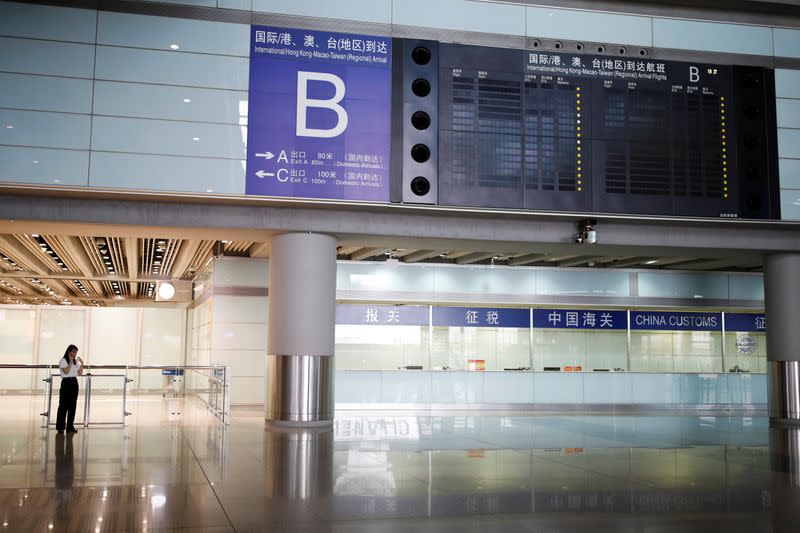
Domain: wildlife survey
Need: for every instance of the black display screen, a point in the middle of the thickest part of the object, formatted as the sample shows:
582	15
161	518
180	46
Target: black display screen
560	131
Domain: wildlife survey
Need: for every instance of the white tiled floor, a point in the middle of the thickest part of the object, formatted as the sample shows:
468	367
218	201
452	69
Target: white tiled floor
175	468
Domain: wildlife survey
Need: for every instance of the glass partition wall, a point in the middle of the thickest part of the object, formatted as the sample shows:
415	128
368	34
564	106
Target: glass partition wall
383	337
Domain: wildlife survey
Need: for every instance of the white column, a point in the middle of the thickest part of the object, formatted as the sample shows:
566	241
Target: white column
302	314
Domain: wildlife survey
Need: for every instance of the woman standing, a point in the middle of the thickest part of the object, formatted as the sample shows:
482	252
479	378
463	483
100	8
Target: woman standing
71	367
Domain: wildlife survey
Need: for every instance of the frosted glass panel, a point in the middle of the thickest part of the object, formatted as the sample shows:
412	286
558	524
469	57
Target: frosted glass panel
112	336
459	348
16	336
44	57
168	102
787	83
788	113
711	36
747	350
168	137
382	277
606	350
558	348
789	173
164	33
744	287
47	22
700	343
60	328
588	26
380	347
790	204
582	282
484	280
787	42
162	343
789	143
172	68
167	173
680	285
44	165
459	15
51	130
361	10
46	93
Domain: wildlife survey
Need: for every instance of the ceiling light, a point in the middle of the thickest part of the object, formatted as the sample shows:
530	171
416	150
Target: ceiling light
651	262
35	162
166	291
9	127
195	138
35	235
187	100
174	46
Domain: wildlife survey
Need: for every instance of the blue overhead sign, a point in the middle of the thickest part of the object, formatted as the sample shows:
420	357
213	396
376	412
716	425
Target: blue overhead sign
580	319
745	322
659	320
319	114
391	315
481	317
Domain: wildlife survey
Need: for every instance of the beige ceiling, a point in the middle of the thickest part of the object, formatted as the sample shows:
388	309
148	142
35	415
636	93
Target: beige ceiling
107	266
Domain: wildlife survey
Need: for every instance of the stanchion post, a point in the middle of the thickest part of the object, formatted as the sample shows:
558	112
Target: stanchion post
87	403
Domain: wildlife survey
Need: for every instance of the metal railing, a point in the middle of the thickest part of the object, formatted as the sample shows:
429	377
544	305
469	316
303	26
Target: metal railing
218	388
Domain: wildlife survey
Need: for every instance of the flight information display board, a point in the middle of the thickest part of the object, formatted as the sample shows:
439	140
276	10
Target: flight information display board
574	132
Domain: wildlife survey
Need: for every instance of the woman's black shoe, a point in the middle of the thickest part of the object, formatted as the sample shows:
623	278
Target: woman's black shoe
60	432
72	430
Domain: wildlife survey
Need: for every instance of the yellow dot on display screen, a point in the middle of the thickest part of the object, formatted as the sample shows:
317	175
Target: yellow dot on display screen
579	128
723	143
723	129
579	175
578	102
579	133
724	149
579	148
725	189
579	108
579	189
577	88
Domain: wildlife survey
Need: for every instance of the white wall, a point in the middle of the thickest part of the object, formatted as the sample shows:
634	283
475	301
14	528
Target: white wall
105	336
238	324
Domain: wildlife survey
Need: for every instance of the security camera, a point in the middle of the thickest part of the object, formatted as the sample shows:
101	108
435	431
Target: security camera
586	232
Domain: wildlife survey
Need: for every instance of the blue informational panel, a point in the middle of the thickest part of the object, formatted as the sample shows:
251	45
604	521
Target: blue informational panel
580	319
392	315
745	322
319	114
669	321
481	317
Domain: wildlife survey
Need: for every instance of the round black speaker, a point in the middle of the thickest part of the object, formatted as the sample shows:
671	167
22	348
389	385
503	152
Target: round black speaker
420	186
420	120
421	87
421	55
420	153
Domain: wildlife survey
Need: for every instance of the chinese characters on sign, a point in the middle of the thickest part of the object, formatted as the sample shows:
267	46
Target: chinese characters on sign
481	317
390	315
580	319
597	67
319	119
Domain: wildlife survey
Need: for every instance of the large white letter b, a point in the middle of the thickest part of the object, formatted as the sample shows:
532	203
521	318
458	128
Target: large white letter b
303	103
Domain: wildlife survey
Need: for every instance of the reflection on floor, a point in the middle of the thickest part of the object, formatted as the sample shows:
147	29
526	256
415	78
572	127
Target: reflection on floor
175	468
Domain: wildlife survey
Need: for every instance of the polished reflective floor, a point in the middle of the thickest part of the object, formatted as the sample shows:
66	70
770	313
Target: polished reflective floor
174	468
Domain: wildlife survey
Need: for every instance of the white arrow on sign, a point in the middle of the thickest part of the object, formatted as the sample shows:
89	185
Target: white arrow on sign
265	155
262	174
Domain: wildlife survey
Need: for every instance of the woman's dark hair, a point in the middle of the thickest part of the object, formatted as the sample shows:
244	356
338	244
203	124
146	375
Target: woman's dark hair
69	349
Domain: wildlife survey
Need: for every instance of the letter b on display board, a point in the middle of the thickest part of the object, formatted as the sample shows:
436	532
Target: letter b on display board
304	103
